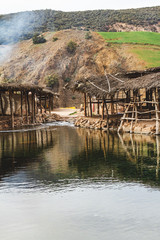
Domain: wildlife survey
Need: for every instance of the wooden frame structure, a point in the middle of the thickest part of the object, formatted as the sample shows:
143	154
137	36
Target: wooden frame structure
132	97
31	100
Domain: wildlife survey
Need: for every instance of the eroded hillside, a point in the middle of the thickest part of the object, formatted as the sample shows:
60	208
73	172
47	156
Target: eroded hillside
30	63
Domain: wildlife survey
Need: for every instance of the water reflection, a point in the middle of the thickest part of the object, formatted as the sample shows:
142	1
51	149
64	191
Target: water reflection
57	157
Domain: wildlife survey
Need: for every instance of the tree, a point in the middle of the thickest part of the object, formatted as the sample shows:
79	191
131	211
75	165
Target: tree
38	39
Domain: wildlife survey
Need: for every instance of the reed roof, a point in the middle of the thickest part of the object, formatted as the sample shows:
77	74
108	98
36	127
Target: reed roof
102	86
26	88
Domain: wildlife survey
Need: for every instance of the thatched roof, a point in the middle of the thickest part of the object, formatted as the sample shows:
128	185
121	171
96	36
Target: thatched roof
101	86
148	81
26	88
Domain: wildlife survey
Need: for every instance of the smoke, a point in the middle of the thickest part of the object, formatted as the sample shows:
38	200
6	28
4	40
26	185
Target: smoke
14	27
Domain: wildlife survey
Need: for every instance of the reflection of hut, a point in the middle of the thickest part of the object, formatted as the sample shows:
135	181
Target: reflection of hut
135	96
25	101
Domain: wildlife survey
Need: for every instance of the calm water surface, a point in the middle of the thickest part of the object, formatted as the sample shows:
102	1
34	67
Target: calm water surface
65	183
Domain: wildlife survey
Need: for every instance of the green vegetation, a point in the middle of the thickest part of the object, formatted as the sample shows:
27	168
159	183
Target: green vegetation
37	39
88	35
71	47
97	20
132	37
147	46
52	80
150	56
55	39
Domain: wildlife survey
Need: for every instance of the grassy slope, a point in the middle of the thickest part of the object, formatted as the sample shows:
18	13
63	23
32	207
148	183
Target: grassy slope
147	46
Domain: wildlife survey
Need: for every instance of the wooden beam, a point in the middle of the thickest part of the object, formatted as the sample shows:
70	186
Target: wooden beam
28	103
1	104
11	108
21	106
49	105
85	110
33	107
26	107
98	107
103	109
90	103
157	114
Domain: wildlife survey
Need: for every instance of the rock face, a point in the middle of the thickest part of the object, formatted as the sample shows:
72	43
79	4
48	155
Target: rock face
35	63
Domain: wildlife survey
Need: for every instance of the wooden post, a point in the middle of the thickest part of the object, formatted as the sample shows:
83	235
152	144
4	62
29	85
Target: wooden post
11	109
157	114
45	103
131	127
90	103
98	107
103	109
85	112
40	99
28	103
107	115
112	105
1	104
49	105
21	106
33	107
26	107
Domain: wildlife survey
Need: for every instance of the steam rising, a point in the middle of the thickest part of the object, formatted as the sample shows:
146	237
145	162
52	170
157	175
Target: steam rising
13	28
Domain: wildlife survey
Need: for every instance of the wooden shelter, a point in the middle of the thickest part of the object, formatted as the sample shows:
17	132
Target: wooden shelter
25	101
131	97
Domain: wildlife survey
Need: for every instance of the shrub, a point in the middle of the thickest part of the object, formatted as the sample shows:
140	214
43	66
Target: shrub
38	39
52	80
88	35
71	47
67	80
55	39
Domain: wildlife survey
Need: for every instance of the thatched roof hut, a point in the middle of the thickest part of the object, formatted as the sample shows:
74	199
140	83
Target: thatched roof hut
107	85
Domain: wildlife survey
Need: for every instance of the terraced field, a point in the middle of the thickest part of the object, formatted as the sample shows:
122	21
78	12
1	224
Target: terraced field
145	45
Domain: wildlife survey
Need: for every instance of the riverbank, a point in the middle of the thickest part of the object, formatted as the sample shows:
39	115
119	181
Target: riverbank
113	124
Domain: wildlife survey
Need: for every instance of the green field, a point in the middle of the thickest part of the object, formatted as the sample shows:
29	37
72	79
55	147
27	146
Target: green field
145	45
150	38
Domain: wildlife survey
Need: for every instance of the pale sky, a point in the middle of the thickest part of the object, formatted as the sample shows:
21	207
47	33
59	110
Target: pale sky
10	6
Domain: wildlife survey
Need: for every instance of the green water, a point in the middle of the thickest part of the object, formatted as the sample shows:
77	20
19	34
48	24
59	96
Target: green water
65	183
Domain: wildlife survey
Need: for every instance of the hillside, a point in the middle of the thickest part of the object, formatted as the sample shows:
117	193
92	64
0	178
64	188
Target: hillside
146	45
18	26
50	62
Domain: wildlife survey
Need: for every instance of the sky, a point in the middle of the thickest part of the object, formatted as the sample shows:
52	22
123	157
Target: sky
11	6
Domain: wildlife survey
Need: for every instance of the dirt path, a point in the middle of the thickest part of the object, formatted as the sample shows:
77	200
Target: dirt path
67	112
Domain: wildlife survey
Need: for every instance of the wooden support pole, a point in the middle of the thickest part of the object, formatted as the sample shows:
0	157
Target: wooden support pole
40	102
11	108
112	106
90	103
85	112
98	107
1	104
33	107
26	107
21	106
103	109
49	105
45	103
28	103
107	115
157	114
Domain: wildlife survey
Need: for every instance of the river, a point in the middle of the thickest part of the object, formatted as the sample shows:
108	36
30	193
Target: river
64	183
